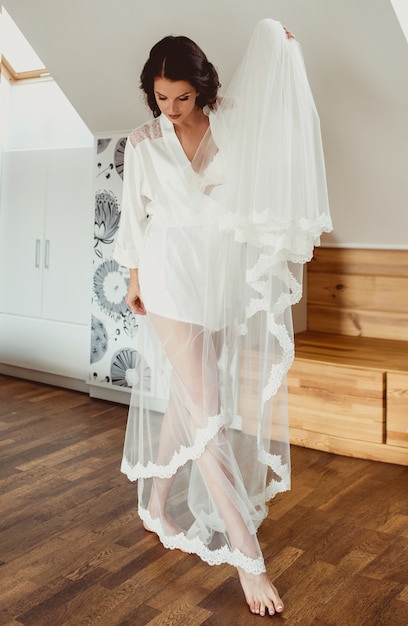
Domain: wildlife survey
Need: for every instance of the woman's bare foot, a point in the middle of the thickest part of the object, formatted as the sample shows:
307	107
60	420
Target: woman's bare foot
260	594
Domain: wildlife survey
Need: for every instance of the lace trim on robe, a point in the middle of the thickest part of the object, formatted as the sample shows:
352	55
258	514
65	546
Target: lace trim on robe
150	130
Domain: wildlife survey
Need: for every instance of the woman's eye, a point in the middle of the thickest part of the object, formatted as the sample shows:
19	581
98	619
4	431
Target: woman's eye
183	99
161	98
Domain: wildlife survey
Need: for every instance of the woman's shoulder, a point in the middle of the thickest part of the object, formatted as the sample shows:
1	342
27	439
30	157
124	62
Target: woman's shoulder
147	131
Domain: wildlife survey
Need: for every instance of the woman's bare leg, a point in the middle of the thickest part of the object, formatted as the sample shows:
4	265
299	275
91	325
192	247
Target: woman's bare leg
174	337
195	364
260	593
161	486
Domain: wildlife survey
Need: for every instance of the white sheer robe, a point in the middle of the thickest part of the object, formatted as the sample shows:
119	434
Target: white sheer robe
220	262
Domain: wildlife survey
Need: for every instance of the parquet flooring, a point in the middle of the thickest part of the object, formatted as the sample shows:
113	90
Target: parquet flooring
73	551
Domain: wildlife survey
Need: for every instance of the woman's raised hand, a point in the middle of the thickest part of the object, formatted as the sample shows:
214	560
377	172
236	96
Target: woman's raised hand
289	35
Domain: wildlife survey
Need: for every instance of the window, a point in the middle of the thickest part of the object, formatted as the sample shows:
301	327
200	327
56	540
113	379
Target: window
18	59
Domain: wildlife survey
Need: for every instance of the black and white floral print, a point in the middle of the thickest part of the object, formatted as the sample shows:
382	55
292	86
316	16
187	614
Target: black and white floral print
99	339
110	287
128	369
107	217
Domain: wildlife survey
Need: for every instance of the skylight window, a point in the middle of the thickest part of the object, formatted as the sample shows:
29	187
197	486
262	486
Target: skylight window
20	58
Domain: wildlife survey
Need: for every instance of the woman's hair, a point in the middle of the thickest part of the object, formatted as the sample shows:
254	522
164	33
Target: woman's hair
179	58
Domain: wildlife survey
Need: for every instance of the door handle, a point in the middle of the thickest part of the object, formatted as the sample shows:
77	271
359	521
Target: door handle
37	252
47	254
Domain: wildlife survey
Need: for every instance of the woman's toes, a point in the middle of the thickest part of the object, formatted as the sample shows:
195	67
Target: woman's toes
271	609
254	606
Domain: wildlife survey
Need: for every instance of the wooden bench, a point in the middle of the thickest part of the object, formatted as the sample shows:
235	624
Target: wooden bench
348	386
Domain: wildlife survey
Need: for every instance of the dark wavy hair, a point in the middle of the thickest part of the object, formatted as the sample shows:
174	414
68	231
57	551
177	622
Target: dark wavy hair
179	58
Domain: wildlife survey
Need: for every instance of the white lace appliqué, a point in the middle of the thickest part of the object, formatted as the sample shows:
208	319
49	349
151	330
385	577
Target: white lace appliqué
194	545
180	457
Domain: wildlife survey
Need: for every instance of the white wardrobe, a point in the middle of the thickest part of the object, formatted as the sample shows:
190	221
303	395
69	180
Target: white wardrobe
46	224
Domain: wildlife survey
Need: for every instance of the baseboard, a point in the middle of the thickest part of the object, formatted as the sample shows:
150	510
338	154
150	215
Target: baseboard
121	396
44	377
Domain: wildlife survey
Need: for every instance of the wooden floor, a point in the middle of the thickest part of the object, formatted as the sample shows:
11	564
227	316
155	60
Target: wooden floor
73	551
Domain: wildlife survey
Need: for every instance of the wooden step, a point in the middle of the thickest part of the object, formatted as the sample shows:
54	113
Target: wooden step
349	395
365	352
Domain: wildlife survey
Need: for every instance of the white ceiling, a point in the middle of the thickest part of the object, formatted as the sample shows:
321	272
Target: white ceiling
95	48
356	56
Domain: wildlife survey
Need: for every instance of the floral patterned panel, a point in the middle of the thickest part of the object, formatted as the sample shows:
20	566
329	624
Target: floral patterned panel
114	360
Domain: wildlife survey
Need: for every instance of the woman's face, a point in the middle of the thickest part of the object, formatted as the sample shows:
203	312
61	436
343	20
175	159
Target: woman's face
176	99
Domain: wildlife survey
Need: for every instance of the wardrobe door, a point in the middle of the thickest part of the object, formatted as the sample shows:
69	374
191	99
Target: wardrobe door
22	211
68	231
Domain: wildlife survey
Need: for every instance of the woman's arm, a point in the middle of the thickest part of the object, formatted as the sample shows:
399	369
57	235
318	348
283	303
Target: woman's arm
133	220
132	226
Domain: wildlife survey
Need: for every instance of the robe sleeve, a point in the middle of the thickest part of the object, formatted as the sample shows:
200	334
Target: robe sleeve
133	219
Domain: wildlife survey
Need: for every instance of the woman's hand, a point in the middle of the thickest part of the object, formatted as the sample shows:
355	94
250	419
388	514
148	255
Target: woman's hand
289	35
132	298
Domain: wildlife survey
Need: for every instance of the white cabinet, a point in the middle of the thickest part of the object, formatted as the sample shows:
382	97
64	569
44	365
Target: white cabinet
46	219
22	213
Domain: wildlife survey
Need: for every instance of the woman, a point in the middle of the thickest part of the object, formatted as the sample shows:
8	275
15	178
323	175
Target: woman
211	229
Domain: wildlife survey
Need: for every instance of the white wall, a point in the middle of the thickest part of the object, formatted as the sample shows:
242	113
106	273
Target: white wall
42	117
5	95
357	61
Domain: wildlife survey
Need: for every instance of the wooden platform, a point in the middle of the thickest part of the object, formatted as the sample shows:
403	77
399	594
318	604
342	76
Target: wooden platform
360	293
74	553
348	387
